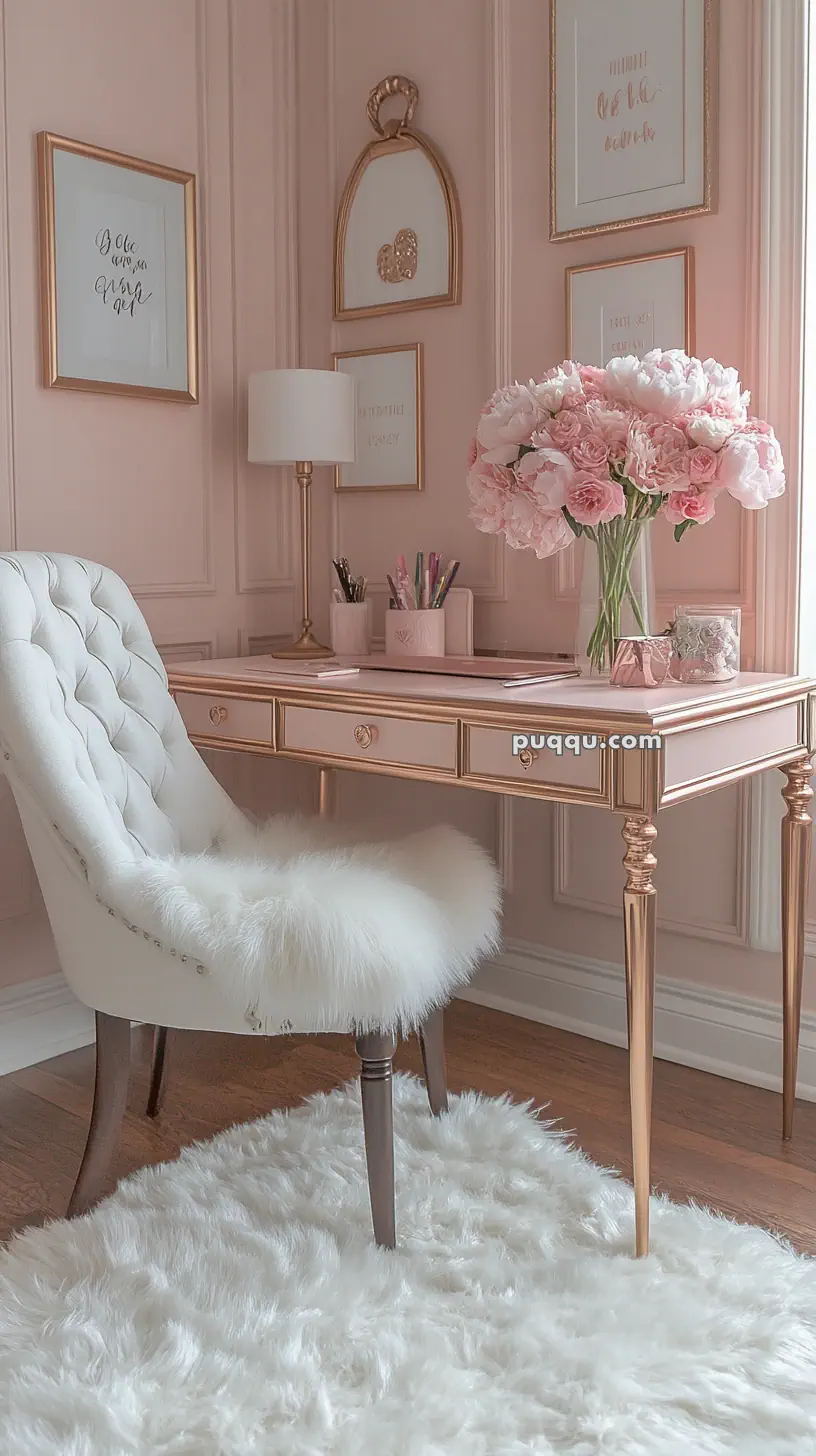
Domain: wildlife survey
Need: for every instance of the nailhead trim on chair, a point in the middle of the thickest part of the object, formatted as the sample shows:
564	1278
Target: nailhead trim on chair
251	1017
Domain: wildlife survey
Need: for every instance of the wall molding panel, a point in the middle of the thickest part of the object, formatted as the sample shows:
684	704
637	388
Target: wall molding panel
277	482
41	1019
205	585
738	933
737	1037
8	524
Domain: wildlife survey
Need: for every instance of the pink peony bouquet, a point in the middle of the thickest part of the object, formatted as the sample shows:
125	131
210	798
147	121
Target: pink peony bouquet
603	451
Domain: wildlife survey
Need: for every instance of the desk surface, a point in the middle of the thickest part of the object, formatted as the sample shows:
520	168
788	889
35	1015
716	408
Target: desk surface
581	699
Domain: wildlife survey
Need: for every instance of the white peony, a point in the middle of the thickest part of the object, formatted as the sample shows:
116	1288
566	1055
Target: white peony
507	421
666	383
751	466
556	385
725	397
709	430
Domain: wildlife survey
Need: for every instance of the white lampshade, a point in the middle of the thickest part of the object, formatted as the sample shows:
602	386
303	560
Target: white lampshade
301	414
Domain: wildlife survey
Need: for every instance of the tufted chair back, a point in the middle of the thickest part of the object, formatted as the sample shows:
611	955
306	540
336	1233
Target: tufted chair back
87	724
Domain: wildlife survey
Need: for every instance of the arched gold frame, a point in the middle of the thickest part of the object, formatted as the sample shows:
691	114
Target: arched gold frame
398	136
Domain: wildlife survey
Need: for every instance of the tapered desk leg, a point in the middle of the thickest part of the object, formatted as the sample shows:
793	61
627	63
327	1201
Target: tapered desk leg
796	826
639	917
325	793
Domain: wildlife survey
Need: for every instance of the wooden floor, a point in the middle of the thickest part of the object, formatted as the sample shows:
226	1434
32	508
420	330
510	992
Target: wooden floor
714	1140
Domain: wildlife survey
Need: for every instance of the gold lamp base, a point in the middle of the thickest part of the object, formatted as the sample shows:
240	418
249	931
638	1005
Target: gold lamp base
306	646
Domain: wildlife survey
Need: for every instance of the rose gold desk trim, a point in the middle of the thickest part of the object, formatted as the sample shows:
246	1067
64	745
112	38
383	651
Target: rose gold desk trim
538	717
696	787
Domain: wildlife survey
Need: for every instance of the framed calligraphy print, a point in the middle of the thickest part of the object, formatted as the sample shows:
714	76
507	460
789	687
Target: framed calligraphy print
630	305
632	112
117	272
389	419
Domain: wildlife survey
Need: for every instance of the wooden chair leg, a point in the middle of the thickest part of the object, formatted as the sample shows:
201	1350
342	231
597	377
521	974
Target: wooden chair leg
110	1096
155	1096
375	1050
432	1046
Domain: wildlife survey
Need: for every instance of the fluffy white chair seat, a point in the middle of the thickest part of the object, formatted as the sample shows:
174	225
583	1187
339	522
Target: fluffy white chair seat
301	927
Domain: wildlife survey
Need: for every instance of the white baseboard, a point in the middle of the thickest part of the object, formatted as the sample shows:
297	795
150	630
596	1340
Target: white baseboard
733	1036
40	1019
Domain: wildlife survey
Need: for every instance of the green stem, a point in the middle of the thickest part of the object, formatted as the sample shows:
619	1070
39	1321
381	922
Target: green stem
616	544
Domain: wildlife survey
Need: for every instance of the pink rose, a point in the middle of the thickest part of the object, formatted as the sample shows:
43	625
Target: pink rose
590	453
702	465
565	428
594	499
751	467
473	452
508	420
689	505
529	528
546	473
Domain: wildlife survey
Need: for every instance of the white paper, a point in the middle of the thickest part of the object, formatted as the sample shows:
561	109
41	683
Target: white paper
386	420
121	274
628	309
629	87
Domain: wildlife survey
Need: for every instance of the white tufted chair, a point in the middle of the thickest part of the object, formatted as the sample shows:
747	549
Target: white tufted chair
168	906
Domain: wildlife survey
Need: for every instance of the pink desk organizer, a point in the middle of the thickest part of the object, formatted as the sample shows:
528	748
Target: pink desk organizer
351	628
415	634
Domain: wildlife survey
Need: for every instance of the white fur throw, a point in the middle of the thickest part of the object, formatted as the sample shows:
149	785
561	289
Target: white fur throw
305	929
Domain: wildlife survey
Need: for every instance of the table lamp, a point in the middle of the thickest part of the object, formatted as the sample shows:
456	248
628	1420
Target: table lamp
304	417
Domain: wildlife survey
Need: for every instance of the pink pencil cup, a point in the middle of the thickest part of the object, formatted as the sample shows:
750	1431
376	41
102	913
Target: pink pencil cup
415	634
351	628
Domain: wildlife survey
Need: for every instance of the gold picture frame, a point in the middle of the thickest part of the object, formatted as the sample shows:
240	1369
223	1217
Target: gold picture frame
709	117
688	310
185	345
397	137
417	437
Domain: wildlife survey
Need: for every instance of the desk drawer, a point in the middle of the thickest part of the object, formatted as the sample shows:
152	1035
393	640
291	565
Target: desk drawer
234	719
368	738
489	756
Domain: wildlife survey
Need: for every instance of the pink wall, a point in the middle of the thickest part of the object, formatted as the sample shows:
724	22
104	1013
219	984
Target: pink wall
161	492
472	63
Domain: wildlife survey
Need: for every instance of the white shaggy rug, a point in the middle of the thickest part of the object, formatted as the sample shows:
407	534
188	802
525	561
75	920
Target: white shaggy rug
232	1304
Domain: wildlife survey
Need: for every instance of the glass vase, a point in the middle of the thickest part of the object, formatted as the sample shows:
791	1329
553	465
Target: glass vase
617	592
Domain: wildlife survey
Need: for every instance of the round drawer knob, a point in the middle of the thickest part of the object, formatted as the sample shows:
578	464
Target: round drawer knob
218	715
527	757
365	735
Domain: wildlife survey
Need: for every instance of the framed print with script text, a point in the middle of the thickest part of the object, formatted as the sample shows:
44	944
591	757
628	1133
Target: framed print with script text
389	419
632	112
630	305
117	272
